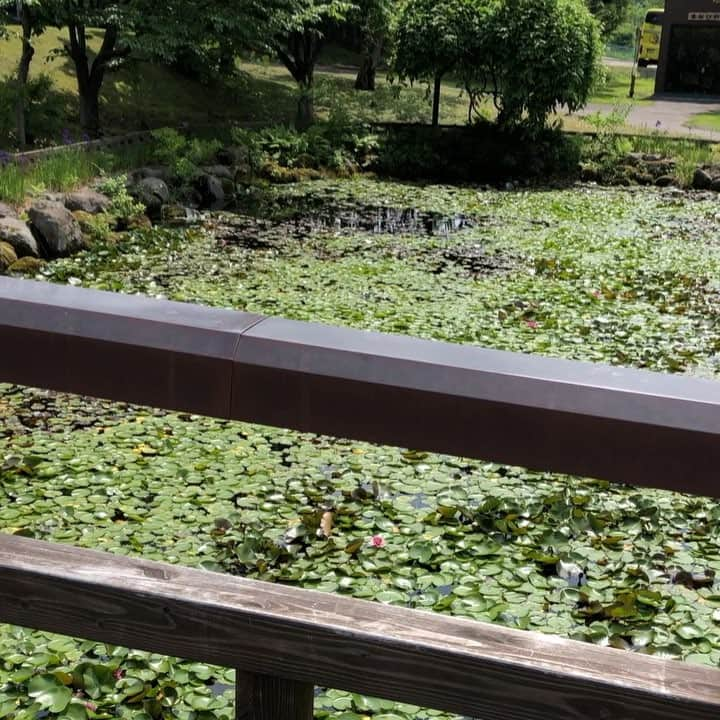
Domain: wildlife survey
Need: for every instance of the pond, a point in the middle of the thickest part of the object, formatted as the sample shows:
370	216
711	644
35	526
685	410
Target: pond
620	276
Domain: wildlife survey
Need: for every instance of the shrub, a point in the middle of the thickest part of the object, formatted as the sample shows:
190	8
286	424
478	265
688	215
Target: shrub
122	204
530	56
534	56
181	154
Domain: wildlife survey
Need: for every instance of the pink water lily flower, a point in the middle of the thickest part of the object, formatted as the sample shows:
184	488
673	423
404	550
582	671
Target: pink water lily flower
377	541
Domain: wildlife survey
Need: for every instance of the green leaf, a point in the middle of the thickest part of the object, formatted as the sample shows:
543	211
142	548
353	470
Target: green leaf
49	693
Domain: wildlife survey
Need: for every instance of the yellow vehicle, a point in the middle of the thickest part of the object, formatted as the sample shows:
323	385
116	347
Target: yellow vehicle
650	33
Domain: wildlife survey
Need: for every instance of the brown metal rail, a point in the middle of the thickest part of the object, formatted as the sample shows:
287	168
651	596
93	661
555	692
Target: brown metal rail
614	423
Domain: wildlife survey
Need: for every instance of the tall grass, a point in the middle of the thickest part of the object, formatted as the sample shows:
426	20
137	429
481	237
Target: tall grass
65	170
687	153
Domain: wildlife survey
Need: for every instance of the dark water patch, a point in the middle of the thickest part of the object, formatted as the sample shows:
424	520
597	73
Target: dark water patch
26	410
476	260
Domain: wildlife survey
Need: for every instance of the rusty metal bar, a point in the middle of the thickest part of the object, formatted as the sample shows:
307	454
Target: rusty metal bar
618	424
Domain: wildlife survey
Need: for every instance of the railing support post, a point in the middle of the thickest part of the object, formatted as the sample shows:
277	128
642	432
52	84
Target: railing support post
262	697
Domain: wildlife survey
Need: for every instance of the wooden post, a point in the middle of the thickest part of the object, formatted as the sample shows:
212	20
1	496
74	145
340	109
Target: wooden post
634	71
261	697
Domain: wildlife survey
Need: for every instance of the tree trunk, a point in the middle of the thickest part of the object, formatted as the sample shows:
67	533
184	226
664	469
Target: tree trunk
368	68
299	58
366	75
28	51
90	76
436	101
90	111
305	110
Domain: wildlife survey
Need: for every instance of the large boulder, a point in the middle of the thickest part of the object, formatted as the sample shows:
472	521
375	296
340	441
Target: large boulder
153	193
59	232
702	179
210	191
7	211
16	233
88	201
7	256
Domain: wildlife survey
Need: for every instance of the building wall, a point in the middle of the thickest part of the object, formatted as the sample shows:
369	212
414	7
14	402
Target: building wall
692	14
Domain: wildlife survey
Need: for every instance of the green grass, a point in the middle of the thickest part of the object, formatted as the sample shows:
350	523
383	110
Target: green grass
63	171
706	120
617	85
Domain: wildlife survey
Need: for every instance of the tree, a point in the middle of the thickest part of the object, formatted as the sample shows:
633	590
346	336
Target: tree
610	13
296	39
534	56
31	19
431	39
373	19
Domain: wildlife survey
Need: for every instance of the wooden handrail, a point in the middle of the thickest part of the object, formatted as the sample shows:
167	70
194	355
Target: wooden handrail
619	424
302	636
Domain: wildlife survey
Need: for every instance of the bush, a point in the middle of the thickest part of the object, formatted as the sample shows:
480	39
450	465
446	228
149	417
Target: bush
181	154
482	153
122	205
534	56
47	111
337	145
529	56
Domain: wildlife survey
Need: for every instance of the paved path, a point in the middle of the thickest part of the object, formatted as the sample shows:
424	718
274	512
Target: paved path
664	115
670	116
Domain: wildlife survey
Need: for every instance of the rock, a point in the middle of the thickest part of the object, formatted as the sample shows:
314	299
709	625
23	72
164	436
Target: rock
234	155
702	180
665	181
88	201
153	193
590	173
7	211
53	197
228	187
715	185
210	190
26	266
219	171
159	172
642	178
58	230
16	233
7	256
178	216
139	222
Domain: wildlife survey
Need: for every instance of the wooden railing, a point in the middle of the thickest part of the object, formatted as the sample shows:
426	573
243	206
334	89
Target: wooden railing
551	414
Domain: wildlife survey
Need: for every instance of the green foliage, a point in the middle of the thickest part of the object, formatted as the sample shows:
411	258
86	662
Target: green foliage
610	13
529	56
338	145
431	38
122	205
46	108
607	146
534	56
183	155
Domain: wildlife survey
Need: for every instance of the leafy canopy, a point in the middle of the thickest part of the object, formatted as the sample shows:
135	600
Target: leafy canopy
529	56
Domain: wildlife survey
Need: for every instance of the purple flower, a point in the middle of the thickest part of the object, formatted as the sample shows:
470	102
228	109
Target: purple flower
5	158
67	138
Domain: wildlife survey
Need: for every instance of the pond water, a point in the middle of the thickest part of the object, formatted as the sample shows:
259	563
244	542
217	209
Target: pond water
610	275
